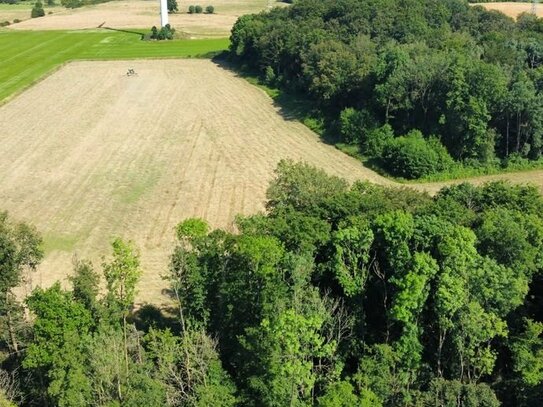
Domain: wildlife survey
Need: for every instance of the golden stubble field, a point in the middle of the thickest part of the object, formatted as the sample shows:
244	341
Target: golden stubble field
89	154
143	14
512	9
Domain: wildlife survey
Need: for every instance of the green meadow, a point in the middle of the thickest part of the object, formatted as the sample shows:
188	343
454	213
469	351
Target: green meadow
26	56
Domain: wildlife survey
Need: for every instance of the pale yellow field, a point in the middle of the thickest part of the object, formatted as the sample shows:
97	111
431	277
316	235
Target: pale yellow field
512	9
88	154
143	14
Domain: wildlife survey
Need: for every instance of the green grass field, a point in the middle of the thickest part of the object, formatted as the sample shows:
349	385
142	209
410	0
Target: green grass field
27	56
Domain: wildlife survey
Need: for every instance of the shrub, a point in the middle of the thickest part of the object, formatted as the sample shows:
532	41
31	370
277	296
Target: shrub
165	33
210	9
315	124
269	76
375	140
353	124
4	23
172	6
412	156
37	10
198	9
192	9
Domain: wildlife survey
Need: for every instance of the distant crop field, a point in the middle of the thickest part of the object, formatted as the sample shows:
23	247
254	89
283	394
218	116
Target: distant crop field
138	13
90	153
28	55
512	9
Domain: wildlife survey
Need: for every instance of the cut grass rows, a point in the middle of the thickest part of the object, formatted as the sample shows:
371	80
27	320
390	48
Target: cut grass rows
27	56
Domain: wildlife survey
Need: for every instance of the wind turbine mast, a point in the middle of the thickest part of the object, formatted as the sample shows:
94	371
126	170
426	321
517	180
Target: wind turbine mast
163	12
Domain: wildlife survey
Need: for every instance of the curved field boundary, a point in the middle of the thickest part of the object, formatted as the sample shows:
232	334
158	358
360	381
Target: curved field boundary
137	154
29	56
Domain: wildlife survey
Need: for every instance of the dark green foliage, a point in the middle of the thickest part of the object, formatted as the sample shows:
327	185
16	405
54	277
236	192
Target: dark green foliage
453	393
470	76
413	157
192	9
165	33
210	10
528	353
302	187
85	283
37	10
80	3
340	295
198	9
172	6
376	140
354	125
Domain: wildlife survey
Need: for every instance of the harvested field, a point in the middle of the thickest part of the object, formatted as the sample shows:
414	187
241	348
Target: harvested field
89	153
511	9
145	13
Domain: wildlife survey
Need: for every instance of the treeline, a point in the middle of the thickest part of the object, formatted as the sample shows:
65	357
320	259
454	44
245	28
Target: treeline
459	76
339	296
80	3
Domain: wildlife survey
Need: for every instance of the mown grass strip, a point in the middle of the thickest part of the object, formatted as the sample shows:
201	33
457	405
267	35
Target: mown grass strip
27	56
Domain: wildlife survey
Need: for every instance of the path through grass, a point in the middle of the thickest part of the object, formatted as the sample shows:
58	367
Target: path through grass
28	55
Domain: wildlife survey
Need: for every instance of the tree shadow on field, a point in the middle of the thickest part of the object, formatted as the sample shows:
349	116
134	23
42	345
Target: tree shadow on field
149	315
142	35
291	106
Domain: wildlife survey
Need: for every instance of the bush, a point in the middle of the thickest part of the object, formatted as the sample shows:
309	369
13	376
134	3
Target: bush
37	10
210	9
353	124
16	21
165	33
375	140
192	9
198	9
269	76
4	23
172	6
413	157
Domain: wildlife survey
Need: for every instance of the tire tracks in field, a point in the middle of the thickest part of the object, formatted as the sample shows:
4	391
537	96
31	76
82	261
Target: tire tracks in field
211	140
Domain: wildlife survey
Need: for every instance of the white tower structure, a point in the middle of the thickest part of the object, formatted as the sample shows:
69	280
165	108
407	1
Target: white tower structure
163	12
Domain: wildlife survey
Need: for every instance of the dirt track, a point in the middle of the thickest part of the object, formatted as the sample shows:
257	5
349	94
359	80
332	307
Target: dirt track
89	154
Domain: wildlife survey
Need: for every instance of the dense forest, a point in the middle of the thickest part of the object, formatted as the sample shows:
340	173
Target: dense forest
339	295
420	86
